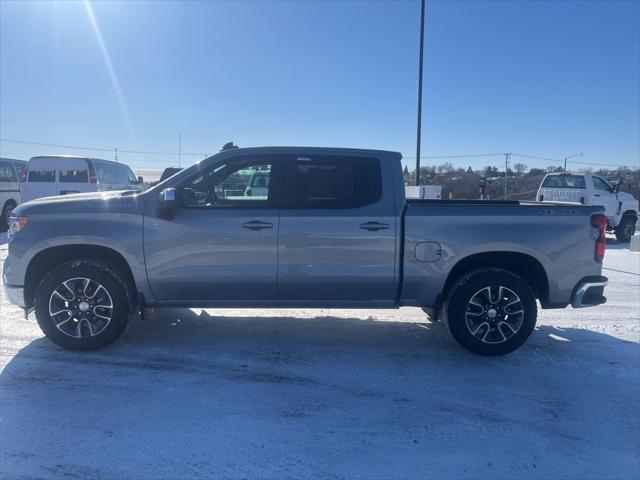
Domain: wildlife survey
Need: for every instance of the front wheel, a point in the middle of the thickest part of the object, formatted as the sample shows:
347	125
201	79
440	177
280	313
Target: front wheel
625	230
490	311
82	305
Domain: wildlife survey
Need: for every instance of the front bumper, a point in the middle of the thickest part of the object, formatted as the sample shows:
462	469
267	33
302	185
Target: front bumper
589	292
14	294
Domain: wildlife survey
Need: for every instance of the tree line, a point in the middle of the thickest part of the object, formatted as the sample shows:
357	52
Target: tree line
522	181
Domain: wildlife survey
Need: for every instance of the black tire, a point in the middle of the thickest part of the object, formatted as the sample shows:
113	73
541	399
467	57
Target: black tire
625	229
461	315
6	213
98	334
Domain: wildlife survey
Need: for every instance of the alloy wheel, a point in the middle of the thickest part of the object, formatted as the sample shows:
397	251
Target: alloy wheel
80	307
494	314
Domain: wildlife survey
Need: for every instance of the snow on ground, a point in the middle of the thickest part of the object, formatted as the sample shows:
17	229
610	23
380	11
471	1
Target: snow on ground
328	394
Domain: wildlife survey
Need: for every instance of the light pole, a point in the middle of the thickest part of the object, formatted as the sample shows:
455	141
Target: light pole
420	93
571	156
506	170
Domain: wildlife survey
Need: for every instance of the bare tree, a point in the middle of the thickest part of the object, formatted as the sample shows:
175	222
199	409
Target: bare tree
520	168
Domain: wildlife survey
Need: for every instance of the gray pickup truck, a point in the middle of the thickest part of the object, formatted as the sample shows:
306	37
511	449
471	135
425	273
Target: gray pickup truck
300	227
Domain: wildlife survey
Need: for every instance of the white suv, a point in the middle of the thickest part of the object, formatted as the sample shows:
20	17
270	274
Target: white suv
620	207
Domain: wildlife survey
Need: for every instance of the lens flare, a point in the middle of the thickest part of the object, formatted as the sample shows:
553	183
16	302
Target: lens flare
109	65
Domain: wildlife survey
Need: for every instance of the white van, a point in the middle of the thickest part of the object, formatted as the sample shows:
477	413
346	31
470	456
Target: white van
620	207
62	175
10	175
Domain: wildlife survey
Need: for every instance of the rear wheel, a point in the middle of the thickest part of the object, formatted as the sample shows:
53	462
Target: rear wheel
625	230
490	311
82	305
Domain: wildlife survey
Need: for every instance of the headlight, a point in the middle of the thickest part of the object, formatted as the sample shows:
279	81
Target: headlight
15	225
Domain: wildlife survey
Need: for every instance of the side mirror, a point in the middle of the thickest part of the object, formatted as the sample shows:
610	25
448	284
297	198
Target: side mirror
616	188
168	197
140	179
167	205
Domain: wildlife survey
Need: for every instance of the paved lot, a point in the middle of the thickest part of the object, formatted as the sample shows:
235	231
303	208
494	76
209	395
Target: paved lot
328	394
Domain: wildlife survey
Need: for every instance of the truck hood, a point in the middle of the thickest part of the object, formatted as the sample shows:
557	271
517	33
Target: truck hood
79	202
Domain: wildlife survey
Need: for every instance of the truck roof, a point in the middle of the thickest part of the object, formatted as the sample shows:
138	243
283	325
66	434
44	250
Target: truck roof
312	150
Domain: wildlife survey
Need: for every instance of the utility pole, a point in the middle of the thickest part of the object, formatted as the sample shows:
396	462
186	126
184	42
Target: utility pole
179	148
420	92
571	156
115	153
506	171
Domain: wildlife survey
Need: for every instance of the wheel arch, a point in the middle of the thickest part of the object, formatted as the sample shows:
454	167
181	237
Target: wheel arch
49	258
522	264
630	213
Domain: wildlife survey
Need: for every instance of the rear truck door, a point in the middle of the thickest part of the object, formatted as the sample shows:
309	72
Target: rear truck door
337	238
218	245
73	175
604	195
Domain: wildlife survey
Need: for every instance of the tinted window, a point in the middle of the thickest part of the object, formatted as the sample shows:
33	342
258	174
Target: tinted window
42	174
7	174
335	182
238	183
600	184
564	181
74	175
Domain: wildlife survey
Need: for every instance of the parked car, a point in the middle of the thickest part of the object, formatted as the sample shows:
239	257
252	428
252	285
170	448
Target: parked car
334	230
166	173
258	184
621	208
433	192
62	175
10	174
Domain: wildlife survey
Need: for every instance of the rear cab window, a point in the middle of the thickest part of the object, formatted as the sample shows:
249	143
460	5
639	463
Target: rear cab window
564	181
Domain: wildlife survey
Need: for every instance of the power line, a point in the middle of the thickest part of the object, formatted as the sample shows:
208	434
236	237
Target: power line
97	149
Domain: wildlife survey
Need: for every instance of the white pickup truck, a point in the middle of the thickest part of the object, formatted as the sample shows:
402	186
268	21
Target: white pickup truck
620	208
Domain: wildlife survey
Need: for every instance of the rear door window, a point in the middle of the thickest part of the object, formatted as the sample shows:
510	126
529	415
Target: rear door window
42	171
564	181
333	182
73	171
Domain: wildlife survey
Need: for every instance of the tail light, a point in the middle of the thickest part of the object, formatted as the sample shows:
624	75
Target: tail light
24	174
92	173
600	222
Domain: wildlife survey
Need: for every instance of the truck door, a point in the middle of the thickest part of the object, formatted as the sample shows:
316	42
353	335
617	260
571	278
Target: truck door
220	243
603	194
337	238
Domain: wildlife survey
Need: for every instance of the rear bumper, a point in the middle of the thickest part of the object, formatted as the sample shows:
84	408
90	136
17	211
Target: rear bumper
589	292
14	294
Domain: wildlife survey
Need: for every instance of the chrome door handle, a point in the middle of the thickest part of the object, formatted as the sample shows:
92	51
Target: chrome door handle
257	225
373	226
